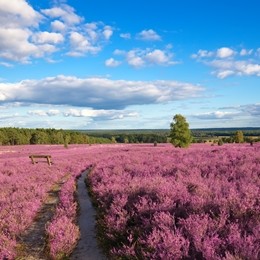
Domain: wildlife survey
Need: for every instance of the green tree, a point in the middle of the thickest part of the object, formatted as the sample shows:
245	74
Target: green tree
180	133
39	137
239	137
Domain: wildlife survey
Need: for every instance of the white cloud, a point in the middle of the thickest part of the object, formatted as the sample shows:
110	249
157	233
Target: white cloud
78	41
17	25
148	35
144	57
134	59
65	12
92	31
37	113
202	54
125	35
216	115
51	112
100	114
98	93
224	63
6	64
252	109
159	57
241	68
245	52
107	32
119	52
58	26
18	13
22	40
112	62
225	52
225	73
47	37
17	20
90	40
15	45
81	45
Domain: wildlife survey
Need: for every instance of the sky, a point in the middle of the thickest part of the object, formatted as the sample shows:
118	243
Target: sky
109	64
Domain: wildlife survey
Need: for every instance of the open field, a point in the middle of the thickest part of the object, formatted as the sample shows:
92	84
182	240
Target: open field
152	202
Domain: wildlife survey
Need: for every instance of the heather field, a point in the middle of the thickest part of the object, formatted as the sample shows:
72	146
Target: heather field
152	202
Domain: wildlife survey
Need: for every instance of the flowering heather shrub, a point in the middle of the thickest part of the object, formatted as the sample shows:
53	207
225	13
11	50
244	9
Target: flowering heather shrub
21	195
24	187
154	203
63	233
167	203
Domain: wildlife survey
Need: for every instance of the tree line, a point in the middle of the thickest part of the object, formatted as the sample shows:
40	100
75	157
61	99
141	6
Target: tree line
181	136
20	136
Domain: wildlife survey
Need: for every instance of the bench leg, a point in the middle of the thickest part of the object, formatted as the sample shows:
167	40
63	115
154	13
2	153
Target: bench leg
33	162
49	160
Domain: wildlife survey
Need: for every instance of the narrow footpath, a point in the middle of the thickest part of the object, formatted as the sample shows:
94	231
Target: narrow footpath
87	248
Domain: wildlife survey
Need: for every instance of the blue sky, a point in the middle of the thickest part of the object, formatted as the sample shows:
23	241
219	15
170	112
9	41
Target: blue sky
109	64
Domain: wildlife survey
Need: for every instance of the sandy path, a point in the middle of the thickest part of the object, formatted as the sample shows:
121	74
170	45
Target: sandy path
87	248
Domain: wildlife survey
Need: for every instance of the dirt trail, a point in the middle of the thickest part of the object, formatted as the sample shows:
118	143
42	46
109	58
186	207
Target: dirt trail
33	242
87	248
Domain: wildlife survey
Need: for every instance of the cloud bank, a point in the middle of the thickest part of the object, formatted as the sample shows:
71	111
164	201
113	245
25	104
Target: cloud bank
97	93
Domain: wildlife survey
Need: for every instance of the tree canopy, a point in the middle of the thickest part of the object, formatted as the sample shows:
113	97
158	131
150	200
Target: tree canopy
180	133
17	136
239	137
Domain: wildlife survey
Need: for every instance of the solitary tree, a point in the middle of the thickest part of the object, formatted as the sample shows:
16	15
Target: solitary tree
180	133
239	137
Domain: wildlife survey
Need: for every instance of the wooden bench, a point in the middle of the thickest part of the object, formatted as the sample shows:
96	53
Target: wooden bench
37	156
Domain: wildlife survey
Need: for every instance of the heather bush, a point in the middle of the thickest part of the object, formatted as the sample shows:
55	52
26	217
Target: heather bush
163	203
24	188
179	204
62	231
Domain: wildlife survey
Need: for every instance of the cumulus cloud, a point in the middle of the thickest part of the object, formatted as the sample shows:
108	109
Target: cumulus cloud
225	52
17	18
90	40
22	38
138	58
64	12
15	45
18	13
148	35
202	54
107	32
47	37
241	68
225	64
112	62
158	57
58	26
135	58
97	93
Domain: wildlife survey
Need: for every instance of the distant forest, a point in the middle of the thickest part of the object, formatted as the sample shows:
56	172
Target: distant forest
19	136
162	135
